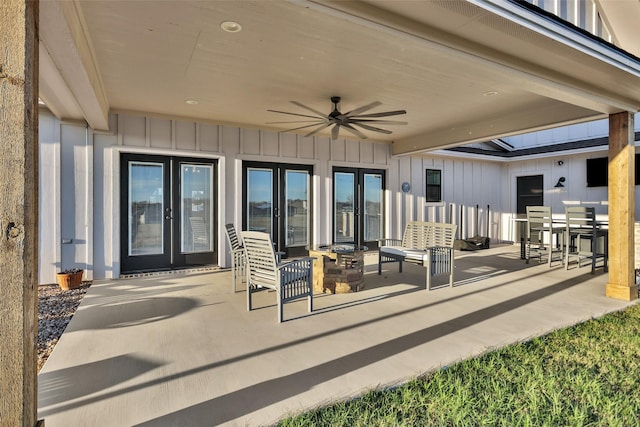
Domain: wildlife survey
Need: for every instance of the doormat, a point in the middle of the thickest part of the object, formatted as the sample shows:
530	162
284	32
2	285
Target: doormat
170	272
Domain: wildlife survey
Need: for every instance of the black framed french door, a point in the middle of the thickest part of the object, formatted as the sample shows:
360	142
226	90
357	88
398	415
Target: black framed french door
358	206
277	200
168	212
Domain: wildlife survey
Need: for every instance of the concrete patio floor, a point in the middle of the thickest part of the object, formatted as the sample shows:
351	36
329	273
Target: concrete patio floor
181	350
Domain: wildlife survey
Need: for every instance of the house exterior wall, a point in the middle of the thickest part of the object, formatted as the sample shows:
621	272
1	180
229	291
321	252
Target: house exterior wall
49	197
65	198
467	185
574	193
80	180
575	190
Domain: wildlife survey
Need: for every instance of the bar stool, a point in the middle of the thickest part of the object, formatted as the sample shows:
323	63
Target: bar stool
581	226
539	224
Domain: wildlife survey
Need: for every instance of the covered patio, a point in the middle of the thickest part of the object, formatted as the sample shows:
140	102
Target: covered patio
162	82
183	350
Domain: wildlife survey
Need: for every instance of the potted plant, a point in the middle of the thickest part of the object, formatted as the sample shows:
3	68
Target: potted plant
70	279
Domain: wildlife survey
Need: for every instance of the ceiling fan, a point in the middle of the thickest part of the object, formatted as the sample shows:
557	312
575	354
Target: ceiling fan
350	121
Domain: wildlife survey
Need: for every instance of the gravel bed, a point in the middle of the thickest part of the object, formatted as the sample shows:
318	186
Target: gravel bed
55	308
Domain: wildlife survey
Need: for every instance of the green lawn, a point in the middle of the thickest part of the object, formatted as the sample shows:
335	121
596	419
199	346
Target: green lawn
586	375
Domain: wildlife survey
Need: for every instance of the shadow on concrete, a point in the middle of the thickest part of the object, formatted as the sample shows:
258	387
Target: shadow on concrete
131	313
244	401
58	385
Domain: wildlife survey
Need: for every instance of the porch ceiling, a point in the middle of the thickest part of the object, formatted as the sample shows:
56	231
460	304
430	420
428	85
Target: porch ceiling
436	59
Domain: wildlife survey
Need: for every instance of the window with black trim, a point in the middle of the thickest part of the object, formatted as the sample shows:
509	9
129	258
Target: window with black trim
433	187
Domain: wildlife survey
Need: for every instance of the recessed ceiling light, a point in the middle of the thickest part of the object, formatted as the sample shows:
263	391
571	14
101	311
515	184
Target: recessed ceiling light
231	26
191	102
490	93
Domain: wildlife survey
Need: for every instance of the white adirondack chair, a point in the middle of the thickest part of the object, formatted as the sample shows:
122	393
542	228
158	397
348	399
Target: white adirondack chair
237	256
291	280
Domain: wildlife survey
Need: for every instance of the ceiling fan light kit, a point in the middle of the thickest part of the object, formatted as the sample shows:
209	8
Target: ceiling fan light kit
352	121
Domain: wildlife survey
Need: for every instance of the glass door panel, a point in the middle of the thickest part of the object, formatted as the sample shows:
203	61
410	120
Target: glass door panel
145	215
259	214
196	208
372	207
194	200
297	208
358	206
146	207
277	200
344	206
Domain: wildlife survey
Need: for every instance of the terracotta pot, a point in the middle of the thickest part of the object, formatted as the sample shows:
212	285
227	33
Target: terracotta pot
68	281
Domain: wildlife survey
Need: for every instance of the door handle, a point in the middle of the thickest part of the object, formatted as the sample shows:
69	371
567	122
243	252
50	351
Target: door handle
167	217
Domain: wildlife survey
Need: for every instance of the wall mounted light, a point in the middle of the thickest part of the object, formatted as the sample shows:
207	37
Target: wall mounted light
560	163
560	182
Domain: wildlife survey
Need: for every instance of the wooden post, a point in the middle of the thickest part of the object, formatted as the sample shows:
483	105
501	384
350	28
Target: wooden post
621	283
18	211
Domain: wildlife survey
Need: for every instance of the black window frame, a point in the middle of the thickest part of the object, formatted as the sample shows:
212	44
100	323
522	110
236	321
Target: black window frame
437	188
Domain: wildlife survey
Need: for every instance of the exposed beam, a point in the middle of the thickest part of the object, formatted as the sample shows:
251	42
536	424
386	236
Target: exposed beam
65	37
54	91
487	128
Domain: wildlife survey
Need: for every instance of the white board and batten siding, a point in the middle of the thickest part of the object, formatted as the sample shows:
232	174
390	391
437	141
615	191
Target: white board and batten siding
465	184
65	196
133	133
573	167
80	180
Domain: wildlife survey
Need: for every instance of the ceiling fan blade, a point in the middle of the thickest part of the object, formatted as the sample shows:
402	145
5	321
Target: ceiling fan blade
297	121
296	114
382	114
318	129
362	109
309	109
334	132
380	122
304	127
354	131
375	129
